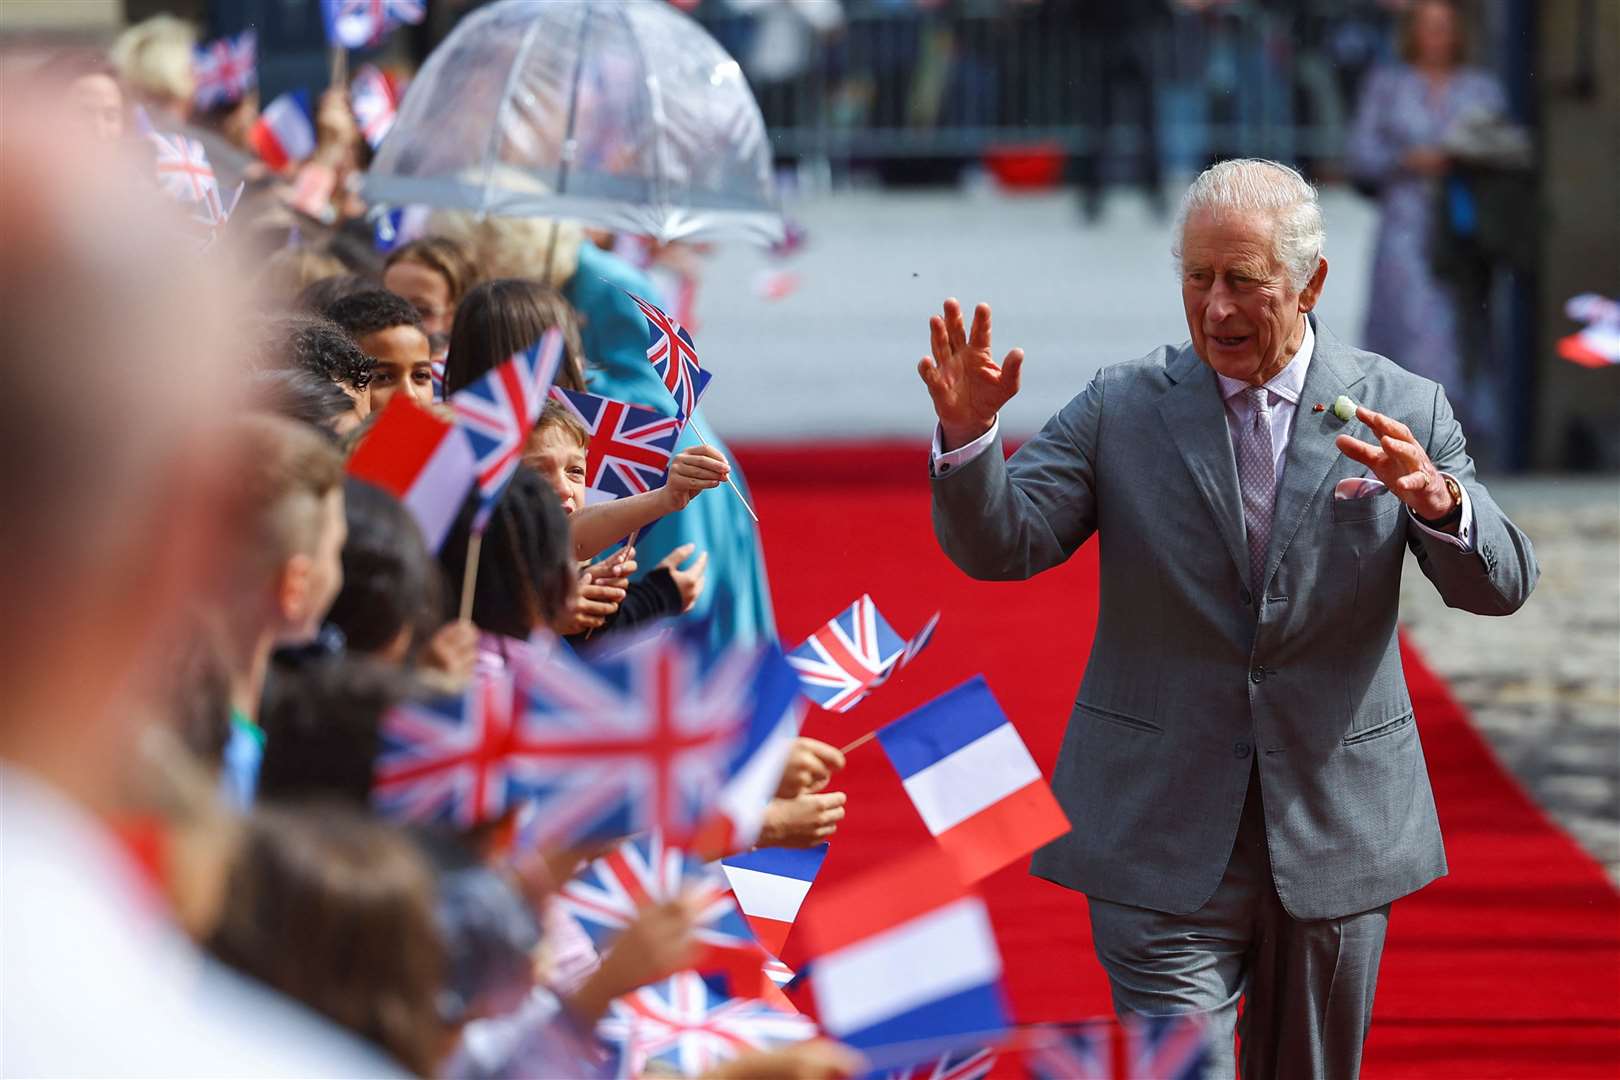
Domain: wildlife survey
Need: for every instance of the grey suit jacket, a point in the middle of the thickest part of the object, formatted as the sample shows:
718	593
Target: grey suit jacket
1195	671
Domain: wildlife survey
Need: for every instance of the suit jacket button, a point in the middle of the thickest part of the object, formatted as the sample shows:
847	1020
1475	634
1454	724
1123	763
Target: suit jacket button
1248	598
1241	749
1257	676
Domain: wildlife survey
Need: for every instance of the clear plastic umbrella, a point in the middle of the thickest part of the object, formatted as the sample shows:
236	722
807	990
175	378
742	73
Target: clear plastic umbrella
624	114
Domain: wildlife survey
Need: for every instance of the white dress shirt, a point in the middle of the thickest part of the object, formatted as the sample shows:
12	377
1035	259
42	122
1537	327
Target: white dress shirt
1283	392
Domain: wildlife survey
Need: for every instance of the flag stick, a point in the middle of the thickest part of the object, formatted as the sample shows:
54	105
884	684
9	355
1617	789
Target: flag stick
860	742
338	66
693	421
469	577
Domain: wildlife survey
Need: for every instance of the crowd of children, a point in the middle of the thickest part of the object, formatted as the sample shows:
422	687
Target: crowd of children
207	621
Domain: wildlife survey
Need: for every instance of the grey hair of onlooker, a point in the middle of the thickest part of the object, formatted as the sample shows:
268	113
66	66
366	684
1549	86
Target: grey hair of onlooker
1249	185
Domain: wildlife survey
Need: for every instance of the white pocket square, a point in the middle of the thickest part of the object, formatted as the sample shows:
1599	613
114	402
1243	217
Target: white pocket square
1357	487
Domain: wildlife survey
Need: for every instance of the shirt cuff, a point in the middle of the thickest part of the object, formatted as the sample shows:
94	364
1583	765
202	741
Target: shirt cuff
1464	539
942	462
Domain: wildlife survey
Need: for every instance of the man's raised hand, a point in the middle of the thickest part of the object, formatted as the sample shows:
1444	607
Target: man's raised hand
967	385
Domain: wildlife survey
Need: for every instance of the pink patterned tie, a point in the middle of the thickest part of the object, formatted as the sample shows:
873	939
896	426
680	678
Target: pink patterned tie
1257	479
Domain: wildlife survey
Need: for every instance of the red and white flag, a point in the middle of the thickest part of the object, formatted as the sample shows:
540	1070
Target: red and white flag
375	103
284	134
425	462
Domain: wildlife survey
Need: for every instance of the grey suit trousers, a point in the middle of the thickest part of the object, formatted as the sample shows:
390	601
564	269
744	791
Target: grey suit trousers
1306	986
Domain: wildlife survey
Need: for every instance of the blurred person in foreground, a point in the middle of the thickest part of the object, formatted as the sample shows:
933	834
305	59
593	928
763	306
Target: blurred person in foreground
154	60
1242	765
1405	114
114	404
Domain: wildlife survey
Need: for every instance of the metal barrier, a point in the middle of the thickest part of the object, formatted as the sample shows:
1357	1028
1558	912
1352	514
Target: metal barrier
895	81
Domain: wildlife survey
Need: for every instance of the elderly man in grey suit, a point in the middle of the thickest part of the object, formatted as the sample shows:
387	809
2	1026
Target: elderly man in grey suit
1241	768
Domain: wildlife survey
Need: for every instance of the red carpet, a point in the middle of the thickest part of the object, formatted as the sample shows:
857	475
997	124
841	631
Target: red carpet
1510	967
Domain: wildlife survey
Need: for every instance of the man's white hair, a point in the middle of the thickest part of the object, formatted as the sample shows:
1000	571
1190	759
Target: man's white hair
1269	187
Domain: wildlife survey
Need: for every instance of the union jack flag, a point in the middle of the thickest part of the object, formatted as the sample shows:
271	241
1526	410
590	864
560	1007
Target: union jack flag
358	24
606	896
1070	1052
632	742
1166	1048
226	69
183	172
447	760
675	359
963	1065
852	655
375	104
630	446
686	1023
500	409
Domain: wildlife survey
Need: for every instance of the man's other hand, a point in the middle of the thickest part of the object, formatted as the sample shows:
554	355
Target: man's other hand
967	385
1401	463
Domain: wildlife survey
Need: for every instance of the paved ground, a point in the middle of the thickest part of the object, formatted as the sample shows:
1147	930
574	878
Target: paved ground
835	359
1544	684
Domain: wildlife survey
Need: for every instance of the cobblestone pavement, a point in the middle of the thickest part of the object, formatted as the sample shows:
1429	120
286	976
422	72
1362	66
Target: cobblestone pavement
1543	685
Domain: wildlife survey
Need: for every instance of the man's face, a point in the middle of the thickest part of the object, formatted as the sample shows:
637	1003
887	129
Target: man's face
403	364
315	578
561	463
1243	313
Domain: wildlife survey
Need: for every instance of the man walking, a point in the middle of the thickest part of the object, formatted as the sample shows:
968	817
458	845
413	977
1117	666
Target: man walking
1242	770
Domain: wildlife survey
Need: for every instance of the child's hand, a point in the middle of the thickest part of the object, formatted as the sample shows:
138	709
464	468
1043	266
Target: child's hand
688	581
452	651
814	1059
802	821
660	942
692	471
809	767
613	571
589	608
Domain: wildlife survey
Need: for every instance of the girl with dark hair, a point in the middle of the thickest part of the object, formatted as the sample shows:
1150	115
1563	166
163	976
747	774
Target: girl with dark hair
504	316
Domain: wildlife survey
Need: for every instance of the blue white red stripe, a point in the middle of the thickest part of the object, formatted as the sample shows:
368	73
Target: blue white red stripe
770	885
972	779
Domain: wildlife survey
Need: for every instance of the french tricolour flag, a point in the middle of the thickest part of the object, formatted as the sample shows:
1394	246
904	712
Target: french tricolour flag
972	779
425	462
770	884
284	134
906	966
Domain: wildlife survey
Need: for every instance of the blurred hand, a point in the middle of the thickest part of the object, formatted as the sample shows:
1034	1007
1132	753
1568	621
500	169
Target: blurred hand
967	386
659	943
814	1059
336	132
452	651
802	821
1427	161
809	767
690	580
693	470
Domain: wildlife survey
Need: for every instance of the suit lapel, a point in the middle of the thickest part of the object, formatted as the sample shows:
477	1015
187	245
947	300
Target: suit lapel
1196	416
1311	453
